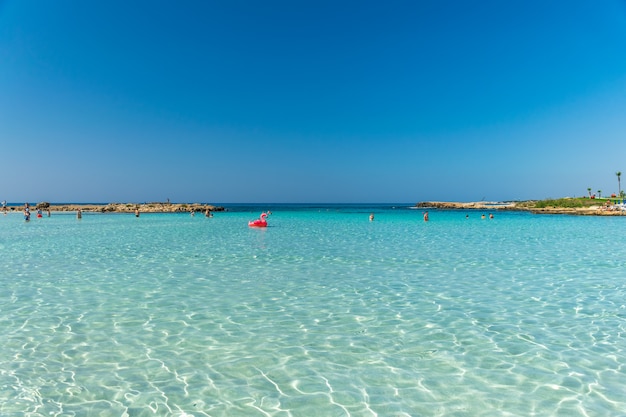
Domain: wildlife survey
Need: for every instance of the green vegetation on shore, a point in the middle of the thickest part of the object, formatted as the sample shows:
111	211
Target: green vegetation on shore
576	202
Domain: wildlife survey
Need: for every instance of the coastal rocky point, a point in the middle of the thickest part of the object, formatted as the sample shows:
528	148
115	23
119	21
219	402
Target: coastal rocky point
448	205
593	210
155	207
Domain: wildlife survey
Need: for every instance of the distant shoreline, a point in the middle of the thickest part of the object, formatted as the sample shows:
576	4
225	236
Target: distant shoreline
167	207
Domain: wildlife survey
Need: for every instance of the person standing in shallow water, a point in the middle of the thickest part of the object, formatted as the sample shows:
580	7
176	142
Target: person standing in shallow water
371	217
79	214
26	212
425	216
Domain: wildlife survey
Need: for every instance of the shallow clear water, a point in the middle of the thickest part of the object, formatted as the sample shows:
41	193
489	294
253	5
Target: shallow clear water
324	313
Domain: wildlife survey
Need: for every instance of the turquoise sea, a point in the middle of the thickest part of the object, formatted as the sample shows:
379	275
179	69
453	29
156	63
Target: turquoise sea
324	313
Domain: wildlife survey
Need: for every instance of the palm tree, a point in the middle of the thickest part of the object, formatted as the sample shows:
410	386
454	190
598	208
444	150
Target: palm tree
599	193
589	191
619	185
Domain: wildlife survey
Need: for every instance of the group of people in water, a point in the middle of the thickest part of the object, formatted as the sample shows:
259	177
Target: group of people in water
207	214
426	218
79	213
26	212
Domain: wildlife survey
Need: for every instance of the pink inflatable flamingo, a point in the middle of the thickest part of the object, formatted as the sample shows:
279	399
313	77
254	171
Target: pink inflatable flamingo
260	222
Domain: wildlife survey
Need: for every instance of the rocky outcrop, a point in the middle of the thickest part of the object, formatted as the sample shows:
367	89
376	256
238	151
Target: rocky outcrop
524	206
449	205
131	207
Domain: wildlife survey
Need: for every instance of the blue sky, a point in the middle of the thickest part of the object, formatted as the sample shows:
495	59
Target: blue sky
310	101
